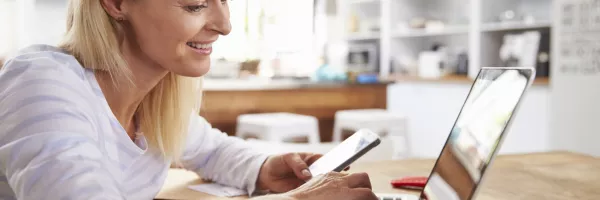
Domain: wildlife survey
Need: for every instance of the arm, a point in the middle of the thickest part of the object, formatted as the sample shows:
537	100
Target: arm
47	146
220	158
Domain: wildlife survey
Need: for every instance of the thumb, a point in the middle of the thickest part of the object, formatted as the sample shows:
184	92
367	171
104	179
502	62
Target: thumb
297	164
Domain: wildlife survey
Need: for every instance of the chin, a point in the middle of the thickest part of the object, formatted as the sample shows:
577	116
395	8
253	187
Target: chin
198	72
195	69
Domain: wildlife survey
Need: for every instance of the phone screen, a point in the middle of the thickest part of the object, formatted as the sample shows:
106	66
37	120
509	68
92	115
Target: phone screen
343	152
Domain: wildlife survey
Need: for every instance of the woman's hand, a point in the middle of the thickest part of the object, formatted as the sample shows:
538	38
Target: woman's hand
334	186
285	172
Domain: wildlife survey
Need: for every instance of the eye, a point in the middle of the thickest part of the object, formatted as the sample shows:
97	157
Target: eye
224	1
196	8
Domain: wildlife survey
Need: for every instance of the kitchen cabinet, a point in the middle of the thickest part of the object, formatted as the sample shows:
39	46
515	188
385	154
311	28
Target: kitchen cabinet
224	101
433	107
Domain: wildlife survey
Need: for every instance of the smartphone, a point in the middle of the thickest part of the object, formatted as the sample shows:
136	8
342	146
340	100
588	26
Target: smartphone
345	153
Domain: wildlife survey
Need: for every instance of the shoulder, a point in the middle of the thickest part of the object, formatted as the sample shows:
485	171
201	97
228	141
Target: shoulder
41	68
42	61
42	89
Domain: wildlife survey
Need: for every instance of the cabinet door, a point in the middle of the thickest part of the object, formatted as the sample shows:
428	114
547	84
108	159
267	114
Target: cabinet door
432	110
529	131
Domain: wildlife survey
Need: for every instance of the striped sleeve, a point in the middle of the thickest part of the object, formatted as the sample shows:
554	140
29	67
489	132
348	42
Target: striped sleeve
220	158
48	147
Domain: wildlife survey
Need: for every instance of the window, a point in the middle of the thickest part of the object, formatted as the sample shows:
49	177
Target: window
269	29
8	23
262	29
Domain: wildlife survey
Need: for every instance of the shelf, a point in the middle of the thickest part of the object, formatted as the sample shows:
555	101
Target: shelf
400	35
498	26
363	36
452	30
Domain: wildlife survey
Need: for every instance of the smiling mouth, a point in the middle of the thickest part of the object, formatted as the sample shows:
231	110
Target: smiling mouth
199	46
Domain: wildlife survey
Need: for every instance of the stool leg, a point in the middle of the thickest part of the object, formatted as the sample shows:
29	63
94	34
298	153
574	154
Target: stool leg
239	130
337	132
407	144
314	136
240	134
400	133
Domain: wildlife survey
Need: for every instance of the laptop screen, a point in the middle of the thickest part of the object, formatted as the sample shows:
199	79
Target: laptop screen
476	134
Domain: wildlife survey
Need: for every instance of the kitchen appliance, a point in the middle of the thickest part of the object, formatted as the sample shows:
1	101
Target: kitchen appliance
363	58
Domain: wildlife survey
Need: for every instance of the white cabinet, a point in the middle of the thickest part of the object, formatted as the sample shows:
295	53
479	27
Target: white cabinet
432	109
530	129
473	26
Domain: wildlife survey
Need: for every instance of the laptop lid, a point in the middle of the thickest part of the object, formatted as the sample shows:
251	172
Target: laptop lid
477	133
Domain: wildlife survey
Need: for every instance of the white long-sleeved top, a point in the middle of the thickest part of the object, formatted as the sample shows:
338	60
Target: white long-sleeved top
60	140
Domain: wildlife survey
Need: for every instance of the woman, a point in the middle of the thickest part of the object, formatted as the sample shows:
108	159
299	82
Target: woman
104	115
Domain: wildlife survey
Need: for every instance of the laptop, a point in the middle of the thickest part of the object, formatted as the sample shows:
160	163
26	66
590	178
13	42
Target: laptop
476	136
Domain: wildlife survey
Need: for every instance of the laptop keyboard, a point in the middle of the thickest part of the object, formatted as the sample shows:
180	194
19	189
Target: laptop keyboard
390	198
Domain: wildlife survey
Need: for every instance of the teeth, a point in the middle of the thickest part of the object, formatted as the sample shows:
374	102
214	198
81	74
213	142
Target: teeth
199	46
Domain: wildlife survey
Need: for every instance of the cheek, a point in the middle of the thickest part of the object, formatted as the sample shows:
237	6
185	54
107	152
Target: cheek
188	61
164	42
173	36
157	40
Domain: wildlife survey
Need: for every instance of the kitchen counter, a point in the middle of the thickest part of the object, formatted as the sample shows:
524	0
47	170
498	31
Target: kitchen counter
224	100
450	79
266	84
285	84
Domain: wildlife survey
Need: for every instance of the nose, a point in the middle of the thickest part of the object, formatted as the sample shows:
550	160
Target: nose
218	18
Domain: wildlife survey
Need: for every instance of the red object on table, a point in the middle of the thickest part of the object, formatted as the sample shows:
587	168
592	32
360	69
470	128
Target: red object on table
411	182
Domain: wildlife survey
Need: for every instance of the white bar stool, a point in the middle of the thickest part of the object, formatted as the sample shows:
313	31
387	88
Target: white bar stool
380	121
277	127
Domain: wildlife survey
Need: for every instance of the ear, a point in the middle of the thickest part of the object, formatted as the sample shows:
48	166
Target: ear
114	8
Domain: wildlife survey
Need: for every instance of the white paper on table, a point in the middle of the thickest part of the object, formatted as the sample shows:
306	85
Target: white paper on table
218	190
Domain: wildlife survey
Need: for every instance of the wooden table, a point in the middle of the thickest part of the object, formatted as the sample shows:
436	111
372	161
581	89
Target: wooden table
547	176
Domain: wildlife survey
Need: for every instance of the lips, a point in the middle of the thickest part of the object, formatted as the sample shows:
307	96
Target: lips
197	45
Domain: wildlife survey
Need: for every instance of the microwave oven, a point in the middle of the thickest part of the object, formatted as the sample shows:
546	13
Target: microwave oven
363	58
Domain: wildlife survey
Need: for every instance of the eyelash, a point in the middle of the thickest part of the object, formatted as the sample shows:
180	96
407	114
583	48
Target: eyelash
198	8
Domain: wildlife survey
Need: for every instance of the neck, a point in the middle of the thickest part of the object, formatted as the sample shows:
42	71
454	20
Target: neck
124	99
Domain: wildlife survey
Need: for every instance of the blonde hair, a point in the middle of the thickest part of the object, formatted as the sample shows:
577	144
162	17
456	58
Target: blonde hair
164	114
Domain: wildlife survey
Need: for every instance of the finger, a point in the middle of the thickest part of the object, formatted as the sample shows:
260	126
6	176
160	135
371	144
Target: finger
359	180
298	165
310	158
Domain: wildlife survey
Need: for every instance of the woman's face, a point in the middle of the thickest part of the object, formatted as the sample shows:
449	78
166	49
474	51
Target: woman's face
177	35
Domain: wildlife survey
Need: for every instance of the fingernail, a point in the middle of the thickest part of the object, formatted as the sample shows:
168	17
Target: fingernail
306	172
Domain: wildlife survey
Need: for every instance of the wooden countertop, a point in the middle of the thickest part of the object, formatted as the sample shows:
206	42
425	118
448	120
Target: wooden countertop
448	79
266	84
288	84
543	176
